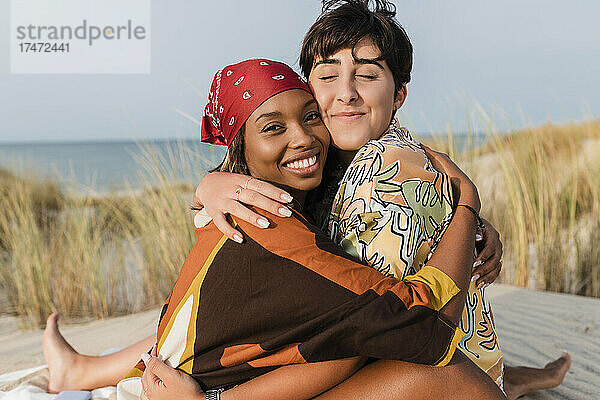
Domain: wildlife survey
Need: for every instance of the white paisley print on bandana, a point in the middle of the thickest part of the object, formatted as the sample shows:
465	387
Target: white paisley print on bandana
237	90
390	211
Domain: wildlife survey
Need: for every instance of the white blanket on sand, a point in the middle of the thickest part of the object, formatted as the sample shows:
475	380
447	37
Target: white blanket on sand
32	384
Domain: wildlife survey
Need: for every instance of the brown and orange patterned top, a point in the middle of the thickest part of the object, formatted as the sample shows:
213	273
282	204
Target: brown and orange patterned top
289	295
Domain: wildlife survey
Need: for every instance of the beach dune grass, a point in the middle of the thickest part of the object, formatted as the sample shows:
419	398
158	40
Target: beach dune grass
99	256
541	188
93	256
551	213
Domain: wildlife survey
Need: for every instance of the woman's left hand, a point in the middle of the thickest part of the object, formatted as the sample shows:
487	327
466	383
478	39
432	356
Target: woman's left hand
161	382
488	263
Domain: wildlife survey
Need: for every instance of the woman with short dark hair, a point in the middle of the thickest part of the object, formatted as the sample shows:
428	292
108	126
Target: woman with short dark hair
358	59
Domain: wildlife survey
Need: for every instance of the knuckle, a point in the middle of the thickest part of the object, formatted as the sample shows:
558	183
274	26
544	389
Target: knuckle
260	184
257	185
249	196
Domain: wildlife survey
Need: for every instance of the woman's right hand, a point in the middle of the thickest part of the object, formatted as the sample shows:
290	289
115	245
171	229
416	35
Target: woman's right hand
162	382
222	193
461	183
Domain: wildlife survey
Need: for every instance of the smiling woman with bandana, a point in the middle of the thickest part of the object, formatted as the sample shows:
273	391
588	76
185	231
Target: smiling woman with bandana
287	314
240	310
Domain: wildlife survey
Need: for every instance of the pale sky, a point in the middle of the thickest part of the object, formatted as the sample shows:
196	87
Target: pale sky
526	62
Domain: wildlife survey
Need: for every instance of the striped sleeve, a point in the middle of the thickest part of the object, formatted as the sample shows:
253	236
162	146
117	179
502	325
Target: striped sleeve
442	287
382	318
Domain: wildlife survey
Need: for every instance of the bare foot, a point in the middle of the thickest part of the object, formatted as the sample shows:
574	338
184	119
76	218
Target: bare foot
61	358
519	381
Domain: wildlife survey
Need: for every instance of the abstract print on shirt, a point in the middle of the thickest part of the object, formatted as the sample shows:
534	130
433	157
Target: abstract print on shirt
390	211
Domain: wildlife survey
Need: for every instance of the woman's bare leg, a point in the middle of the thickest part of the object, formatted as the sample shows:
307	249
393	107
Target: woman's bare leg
387	380
70	370
519	381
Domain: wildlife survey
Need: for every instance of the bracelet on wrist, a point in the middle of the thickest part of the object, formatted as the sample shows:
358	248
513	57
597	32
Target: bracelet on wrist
475	213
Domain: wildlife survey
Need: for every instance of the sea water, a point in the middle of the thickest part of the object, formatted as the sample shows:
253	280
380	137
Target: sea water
101	167
109	166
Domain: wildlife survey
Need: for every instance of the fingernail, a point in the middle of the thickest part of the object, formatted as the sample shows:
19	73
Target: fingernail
478	237
477	263
238	238
286	212
480	285
475	277
263	223
145	357
286	197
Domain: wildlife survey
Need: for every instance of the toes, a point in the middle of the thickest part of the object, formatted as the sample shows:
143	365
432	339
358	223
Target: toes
559	368
563	361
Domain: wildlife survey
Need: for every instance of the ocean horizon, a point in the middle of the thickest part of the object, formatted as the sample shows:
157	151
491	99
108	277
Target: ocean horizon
107	166
104	166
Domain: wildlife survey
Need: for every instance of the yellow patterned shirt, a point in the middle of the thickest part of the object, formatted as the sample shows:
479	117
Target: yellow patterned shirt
390	211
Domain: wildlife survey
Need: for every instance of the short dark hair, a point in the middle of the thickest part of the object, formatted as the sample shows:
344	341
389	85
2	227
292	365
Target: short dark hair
343	23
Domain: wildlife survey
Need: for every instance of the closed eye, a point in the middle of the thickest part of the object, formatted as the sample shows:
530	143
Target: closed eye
312	116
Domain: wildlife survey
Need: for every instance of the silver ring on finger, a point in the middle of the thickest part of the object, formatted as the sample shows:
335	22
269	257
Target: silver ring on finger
237	193
247	181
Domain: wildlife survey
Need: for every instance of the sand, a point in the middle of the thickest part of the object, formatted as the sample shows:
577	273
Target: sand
534	327
23	349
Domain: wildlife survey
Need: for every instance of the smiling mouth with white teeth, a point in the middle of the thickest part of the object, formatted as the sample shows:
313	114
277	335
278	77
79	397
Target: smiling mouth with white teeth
304	166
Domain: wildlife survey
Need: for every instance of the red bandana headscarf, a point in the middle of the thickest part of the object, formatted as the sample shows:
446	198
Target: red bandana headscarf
239	89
